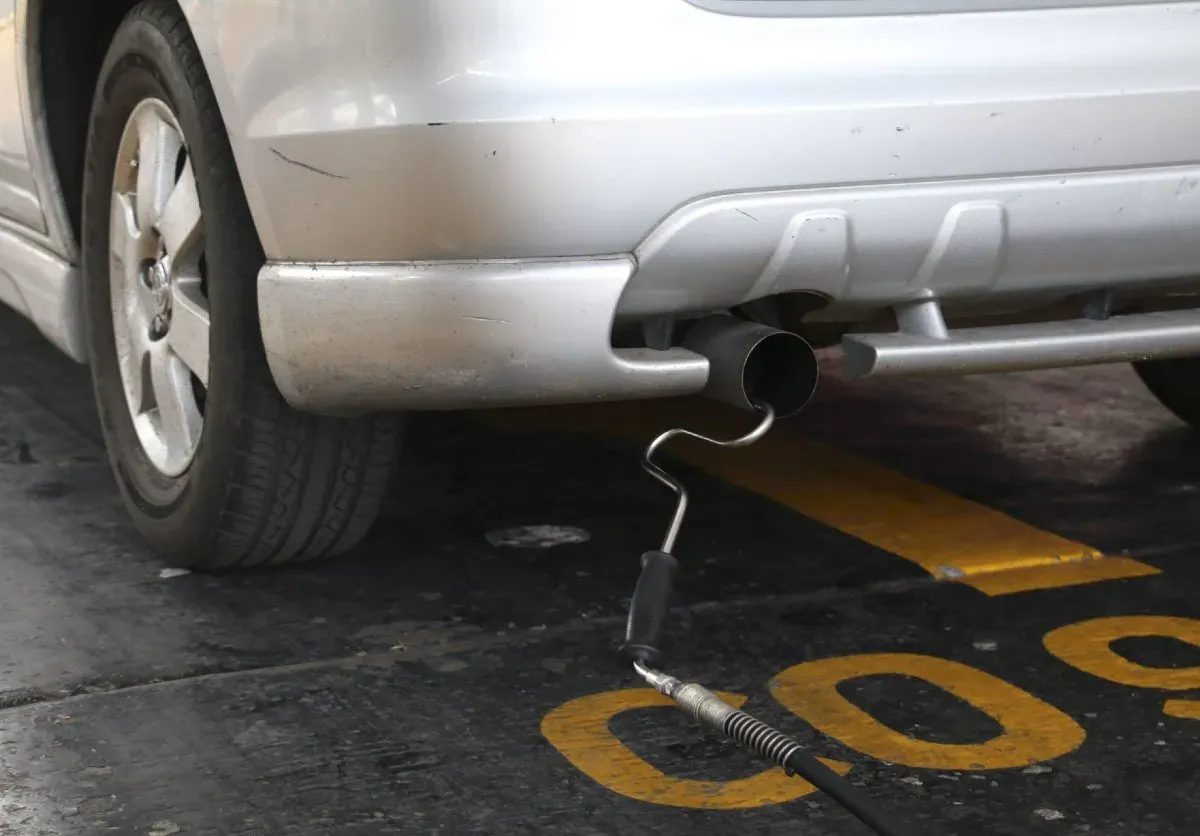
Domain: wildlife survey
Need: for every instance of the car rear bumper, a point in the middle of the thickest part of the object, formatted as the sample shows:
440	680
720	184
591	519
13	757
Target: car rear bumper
354	338
1000	240
360	337
351	339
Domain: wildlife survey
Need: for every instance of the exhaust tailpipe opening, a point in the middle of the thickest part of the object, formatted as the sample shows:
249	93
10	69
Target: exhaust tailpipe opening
750	362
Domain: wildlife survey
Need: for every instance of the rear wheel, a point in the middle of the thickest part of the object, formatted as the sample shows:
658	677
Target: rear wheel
214	467
1176	384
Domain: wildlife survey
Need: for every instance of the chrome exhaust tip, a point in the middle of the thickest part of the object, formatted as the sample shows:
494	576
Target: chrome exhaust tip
749	363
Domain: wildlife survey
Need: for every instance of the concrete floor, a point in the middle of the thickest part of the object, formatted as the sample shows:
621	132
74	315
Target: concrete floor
980	597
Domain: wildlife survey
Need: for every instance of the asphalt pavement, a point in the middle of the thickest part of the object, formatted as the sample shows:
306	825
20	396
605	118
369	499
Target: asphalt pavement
978	598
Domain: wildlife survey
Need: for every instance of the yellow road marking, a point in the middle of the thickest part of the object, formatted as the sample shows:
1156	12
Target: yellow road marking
1033	730
950	537
1087	645
1185	709
1061	573
580	731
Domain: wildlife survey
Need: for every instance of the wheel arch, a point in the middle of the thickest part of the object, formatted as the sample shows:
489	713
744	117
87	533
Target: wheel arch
60	97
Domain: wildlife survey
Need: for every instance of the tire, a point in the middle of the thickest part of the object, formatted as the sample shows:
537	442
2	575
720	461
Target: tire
1176	384
257	482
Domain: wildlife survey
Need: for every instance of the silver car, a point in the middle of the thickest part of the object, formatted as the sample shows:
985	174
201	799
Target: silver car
270	227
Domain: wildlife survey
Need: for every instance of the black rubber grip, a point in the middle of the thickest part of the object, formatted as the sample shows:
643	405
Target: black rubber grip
649	608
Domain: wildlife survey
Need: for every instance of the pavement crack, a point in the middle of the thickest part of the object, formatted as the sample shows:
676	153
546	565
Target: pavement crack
19	697
411	642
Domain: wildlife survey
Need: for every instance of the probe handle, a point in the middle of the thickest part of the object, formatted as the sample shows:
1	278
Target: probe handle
649	608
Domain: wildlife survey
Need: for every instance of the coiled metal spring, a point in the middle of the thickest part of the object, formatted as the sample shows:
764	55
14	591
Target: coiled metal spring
759	737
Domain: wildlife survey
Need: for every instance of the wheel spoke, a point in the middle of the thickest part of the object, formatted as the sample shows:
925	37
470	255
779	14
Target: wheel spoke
188	334
134	357
123	238
179	223
179	418
158	148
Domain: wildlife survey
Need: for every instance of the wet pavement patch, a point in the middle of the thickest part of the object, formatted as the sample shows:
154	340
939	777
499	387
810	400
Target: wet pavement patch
458	735
448	678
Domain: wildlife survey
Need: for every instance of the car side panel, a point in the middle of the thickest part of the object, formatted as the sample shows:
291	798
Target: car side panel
38	274
19	204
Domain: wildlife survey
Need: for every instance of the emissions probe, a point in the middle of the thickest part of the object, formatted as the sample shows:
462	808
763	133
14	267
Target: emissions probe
773	373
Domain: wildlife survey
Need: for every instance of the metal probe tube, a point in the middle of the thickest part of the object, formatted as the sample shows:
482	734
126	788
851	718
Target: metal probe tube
681	504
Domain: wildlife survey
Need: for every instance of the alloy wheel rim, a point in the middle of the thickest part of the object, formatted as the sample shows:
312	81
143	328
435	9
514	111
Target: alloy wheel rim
158	287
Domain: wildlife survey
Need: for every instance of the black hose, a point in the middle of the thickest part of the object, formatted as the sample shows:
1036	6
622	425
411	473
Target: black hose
849	796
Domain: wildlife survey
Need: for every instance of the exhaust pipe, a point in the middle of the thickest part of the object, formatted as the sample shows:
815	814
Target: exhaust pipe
749	362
